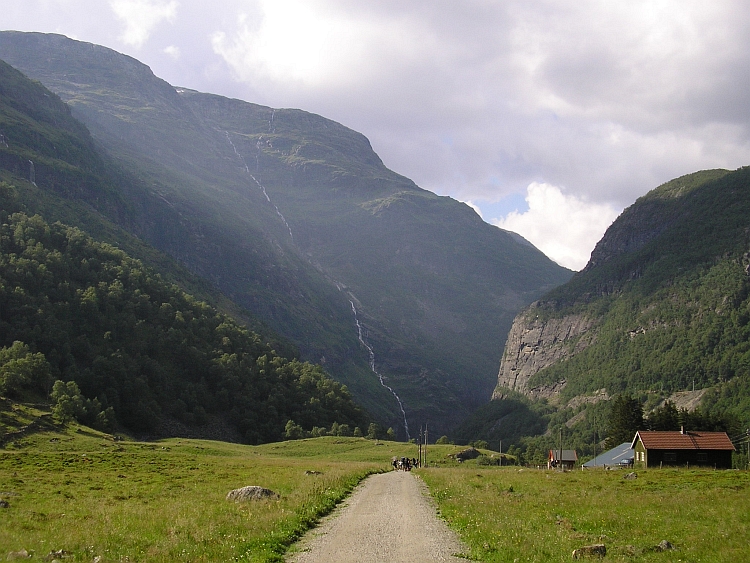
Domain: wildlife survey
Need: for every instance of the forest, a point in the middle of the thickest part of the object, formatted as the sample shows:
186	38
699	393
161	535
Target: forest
140	349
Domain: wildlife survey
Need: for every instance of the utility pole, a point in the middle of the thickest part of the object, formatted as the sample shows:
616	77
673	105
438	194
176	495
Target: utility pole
426	439
420	445
501	453
594	442
560	458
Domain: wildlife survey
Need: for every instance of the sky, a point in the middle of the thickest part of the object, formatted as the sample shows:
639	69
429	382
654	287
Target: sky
548	117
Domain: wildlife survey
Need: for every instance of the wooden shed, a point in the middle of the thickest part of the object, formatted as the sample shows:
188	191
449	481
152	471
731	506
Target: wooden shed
567	460
658	448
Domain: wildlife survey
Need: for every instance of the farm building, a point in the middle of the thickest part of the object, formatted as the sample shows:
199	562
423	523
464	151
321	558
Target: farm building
620	456
567	460
654	449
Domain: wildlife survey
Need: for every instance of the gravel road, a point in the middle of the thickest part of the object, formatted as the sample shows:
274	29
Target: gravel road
388	517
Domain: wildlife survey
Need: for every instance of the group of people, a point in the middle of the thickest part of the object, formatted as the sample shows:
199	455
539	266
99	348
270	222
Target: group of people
404	463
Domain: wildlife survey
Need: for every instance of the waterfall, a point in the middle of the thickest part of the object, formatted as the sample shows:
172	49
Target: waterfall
32	173
257	183
371	354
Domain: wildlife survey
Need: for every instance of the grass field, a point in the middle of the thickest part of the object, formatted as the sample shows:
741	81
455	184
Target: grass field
103	500
512	515
82	492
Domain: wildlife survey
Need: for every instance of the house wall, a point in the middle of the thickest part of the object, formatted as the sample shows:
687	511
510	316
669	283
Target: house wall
704	458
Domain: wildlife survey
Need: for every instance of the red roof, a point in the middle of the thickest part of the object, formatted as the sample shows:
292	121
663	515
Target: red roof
675	440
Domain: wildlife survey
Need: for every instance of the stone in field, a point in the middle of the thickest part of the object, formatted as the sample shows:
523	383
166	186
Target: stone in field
252	492
596	550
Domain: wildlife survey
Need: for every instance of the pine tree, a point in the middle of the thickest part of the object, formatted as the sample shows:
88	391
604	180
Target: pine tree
625	419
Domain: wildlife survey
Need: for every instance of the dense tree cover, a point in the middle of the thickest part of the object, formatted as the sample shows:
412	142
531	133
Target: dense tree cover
671	292
142	347
625	419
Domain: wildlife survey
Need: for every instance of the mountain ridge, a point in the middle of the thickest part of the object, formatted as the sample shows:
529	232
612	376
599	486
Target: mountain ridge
663	307
295	218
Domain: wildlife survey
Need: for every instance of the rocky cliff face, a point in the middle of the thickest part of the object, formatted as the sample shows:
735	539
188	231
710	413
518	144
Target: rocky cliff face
534	344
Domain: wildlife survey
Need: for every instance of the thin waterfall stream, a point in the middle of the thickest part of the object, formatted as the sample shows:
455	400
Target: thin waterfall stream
360	336
257	168
371	353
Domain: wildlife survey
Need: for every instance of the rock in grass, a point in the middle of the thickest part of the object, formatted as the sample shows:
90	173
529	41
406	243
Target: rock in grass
252	492
22	554
468	453
632	475
664	545
596	550
4	503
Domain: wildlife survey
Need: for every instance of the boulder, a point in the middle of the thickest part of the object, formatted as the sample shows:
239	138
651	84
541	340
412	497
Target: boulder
468	453
252	492
596	550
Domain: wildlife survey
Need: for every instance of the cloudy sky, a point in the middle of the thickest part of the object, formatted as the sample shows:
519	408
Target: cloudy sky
548	117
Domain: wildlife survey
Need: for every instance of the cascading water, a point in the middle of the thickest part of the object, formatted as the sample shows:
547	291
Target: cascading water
257	168
32	173
360	336
375	371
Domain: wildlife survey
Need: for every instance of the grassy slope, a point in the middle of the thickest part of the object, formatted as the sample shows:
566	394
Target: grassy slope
81	491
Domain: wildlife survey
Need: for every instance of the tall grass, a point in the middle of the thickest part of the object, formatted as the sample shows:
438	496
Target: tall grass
165	501
507	514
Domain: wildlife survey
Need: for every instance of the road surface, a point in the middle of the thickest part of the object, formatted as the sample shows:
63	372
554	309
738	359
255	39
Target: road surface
388	517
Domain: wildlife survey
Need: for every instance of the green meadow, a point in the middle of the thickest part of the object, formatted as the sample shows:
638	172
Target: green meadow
103	500
516	515
93	497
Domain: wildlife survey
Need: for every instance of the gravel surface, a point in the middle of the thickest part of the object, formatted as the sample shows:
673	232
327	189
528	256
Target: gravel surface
389	517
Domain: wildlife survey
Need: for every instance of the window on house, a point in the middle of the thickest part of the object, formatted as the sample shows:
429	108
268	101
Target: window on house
670	456
702	456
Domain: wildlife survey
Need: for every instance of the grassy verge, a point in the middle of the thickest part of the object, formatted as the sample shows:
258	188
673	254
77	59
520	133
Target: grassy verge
93	497
507	515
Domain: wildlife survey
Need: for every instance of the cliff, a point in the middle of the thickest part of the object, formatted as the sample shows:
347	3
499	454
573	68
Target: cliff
534	344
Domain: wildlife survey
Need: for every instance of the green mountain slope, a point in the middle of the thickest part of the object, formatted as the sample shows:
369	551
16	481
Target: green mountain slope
295	218
98	317
662	307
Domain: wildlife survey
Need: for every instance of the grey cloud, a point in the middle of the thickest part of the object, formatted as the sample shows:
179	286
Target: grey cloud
605	100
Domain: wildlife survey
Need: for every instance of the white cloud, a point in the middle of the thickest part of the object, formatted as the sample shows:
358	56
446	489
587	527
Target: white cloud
141	17
310	43
475	207
173	51
564	227
475	100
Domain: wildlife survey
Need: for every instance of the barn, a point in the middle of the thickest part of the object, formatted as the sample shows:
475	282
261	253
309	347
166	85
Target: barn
683	448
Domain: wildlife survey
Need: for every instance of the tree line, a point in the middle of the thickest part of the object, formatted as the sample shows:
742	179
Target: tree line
129	348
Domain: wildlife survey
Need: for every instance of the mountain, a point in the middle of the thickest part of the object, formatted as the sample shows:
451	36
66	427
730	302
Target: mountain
294	218
143	353
661	311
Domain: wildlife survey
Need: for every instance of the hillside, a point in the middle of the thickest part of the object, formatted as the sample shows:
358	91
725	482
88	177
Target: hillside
296	219
140	346
662	307
79	310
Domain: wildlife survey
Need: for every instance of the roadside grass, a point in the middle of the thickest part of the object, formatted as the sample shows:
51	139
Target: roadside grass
512	515
82	492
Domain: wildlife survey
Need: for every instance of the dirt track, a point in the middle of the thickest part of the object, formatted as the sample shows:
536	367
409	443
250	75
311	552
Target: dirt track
389	517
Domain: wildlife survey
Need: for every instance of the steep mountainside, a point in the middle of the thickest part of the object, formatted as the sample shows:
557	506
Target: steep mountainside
143	352
295	218
662	307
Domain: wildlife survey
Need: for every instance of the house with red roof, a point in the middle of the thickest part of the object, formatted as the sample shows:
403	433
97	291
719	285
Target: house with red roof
658	448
